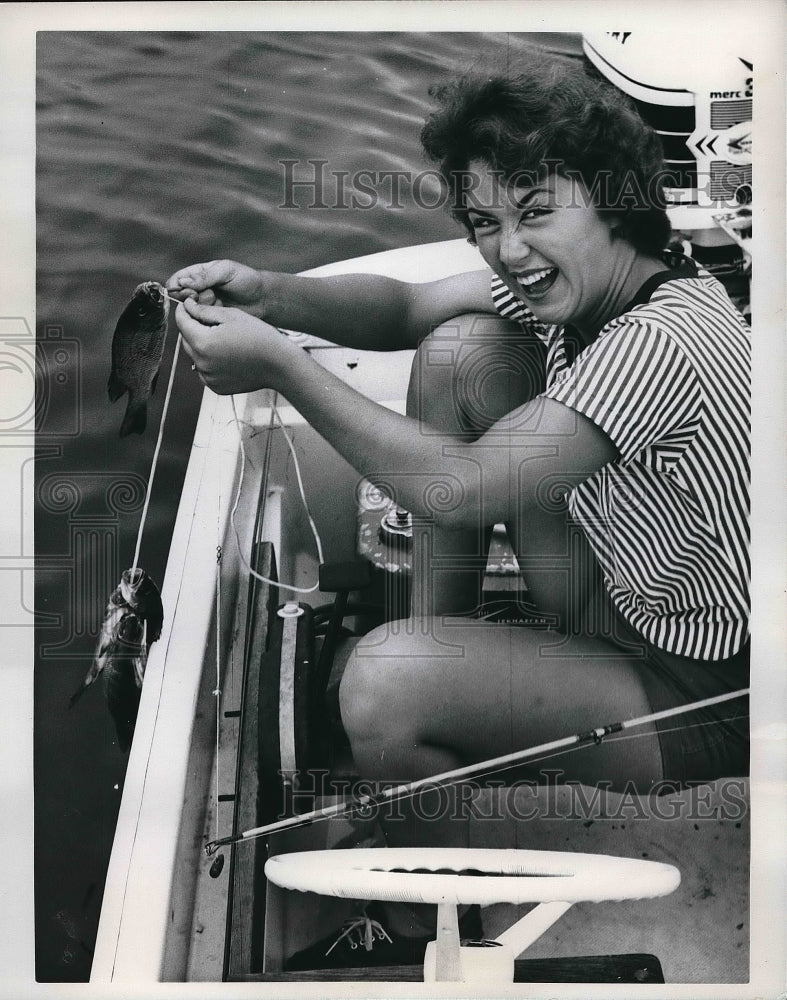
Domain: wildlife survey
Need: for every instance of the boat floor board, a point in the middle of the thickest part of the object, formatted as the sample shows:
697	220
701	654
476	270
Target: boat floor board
638	968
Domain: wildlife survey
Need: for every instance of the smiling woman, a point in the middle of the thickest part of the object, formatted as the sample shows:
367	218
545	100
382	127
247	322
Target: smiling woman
550	246
611	440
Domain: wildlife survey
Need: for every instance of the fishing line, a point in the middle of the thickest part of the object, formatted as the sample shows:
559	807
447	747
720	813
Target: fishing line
156	451
356	806
318	541
217	690
614	739
301	490
344	810
366	803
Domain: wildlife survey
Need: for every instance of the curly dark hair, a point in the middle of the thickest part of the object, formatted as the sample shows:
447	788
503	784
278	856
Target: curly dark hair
553	116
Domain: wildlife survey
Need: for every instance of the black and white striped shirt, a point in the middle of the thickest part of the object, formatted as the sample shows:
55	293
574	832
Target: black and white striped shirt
669	383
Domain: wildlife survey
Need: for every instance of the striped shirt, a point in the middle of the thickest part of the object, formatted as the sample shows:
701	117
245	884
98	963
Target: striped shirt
669	382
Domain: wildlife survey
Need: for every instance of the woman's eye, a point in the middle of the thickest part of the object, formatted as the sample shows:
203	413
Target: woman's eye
535	212
478	222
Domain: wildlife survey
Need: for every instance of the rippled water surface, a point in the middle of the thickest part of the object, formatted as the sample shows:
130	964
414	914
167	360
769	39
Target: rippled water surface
156	151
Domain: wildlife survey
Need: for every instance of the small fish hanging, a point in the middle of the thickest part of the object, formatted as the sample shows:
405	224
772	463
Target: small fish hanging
132	623
137	348
134	615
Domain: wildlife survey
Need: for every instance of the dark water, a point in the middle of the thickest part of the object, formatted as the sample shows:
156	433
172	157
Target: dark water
156	151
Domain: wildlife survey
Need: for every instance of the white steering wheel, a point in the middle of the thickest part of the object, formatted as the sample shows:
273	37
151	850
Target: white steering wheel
467	875
449	876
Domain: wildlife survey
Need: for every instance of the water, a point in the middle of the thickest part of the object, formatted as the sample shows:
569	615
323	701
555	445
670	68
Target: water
156	151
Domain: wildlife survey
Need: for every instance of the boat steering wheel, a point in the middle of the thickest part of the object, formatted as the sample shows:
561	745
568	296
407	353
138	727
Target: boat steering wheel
451	876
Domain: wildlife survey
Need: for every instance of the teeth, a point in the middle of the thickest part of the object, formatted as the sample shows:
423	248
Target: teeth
531	279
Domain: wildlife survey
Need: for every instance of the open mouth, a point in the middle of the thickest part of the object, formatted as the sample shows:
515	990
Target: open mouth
535	284
129	582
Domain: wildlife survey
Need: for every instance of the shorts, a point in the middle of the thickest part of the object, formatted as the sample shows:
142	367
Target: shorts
706	744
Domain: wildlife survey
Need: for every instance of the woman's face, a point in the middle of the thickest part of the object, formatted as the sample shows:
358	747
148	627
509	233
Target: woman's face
547	243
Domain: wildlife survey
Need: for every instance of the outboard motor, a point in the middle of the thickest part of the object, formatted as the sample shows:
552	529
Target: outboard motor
702	111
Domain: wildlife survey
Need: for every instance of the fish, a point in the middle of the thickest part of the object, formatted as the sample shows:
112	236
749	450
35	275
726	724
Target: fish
132	622
137	348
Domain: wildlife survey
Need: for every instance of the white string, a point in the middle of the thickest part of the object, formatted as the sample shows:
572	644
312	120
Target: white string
154	462
217	691
312	525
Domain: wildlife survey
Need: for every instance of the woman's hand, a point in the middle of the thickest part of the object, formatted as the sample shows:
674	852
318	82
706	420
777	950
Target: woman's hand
221	282
233	351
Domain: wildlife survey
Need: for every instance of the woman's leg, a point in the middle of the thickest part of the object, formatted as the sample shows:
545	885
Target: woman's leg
415	706
476	691
468	373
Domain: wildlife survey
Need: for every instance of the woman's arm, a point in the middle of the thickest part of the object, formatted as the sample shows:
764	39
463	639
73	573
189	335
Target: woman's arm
364	311
459	484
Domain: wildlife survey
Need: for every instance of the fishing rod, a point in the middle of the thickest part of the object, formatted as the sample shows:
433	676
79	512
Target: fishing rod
365	804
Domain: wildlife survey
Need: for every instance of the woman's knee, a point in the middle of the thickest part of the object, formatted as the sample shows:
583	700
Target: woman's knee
471	371
432	393
360	694
377	689
358	699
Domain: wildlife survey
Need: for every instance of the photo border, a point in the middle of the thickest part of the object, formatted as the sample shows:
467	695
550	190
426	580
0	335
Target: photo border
765	21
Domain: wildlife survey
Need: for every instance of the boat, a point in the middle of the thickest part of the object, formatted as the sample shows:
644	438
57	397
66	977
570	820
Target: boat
213	725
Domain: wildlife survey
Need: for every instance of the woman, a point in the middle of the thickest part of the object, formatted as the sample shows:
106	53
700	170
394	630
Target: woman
619	464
